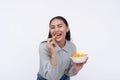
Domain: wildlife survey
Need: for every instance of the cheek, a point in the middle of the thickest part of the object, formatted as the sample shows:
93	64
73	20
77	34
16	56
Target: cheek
65	31
51	31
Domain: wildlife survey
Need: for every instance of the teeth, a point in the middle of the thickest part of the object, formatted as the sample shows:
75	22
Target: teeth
58	34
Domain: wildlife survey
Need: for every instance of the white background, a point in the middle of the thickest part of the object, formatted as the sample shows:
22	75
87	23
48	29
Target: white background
95	29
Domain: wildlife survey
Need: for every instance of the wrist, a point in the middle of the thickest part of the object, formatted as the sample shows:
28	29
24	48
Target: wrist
53	60
53	55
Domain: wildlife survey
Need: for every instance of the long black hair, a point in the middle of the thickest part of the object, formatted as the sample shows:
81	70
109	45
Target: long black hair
68	36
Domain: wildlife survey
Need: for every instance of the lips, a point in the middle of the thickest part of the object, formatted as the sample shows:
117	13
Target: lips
58	35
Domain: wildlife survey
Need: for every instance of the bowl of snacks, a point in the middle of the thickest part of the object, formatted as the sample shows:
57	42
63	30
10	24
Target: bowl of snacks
79	57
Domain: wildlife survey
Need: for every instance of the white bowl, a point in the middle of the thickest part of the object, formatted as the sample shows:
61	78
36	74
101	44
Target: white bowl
79	59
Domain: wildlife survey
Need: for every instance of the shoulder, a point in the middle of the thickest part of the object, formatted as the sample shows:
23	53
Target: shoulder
43	45
43	49
70	44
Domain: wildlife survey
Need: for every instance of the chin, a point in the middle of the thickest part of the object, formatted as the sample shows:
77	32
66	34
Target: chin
59	40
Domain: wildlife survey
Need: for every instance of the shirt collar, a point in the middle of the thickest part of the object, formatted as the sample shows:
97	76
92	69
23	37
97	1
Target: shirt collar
65	48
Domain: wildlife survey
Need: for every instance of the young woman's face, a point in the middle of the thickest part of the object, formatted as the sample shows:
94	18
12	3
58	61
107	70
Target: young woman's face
58	28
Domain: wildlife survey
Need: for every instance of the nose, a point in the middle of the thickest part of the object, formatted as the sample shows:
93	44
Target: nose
56	29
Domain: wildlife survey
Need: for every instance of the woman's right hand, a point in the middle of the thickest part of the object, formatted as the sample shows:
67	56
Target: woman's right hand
51	46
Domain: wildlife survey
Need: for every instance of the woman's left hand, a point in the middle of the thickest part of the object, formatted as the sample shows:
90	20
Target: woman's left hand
78	66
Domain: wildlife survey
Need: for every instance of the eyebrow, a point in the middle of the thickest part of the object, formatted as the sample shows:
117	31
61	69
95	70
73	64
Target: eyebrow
57	25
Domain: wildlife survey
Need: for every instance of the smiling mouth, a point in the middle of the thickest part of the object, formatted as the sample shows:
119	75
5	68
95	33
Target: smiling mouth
58	35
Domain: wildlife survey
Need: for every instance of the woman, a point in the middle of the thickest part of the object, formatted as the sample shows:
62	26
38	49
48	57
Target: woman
55	62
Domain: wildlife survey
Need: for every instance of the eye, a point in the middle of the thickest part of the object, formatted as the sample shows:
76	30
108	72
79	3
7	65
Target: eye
52	27
59	26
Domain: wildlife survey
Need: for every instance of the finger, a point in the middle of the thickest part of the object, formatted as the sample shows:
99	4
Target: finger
86	60
49	40
53	43
78	64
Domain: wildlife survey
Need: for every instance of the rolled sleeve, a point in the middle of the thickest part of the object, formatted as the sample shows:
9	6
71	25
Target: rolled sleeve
46	69
70	72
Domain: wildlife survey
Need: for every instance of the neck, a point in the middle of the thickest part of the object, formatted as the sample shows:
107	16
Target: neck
61	44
